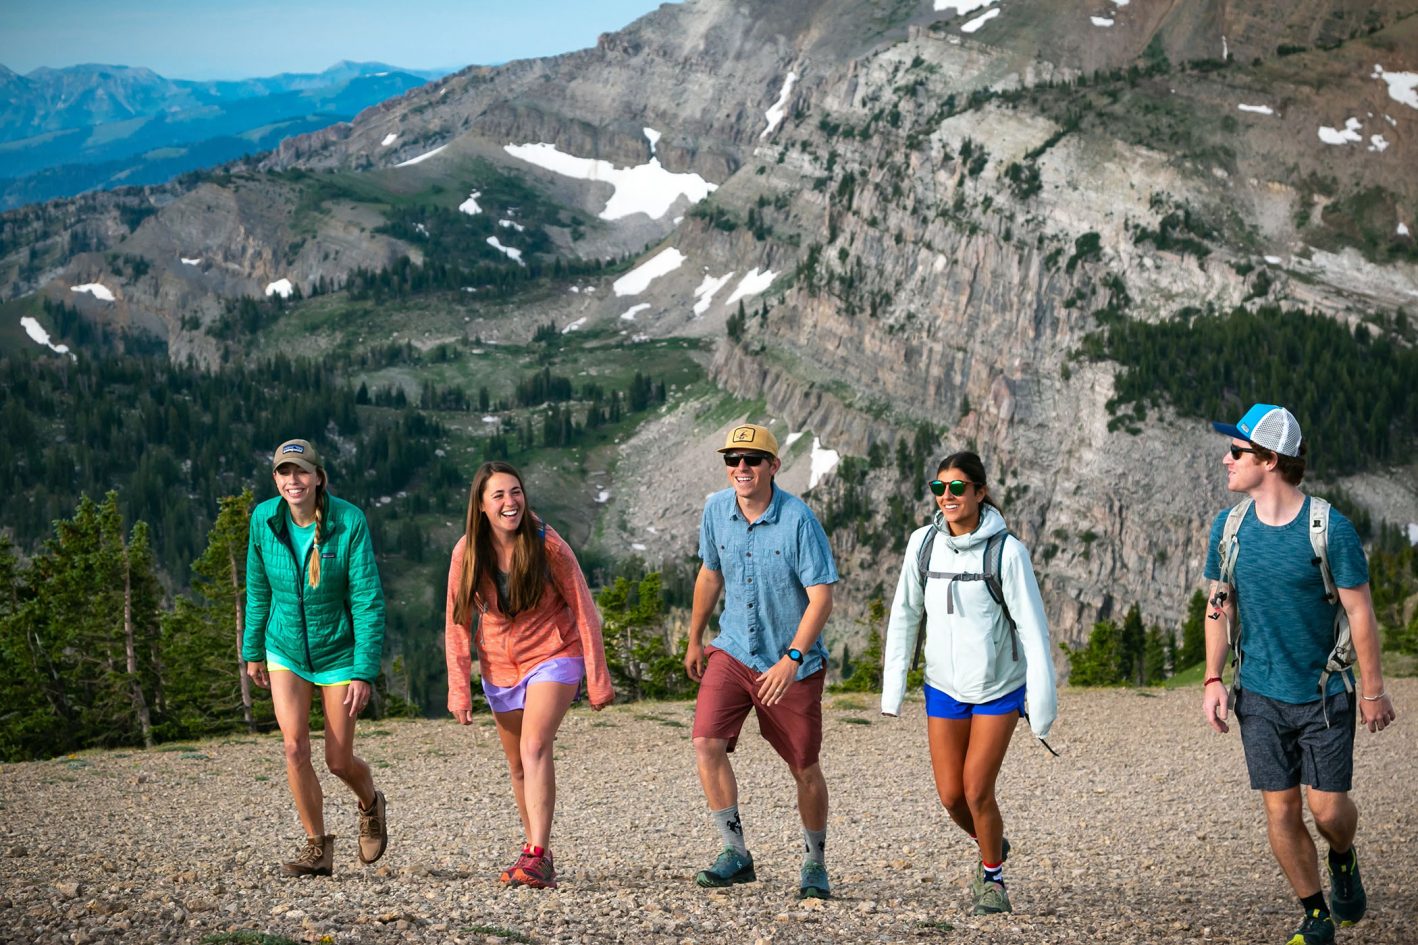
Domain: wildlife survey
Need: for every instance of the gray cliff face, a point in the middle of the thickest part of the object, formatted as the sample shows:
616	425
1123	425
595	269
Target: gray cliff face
913	281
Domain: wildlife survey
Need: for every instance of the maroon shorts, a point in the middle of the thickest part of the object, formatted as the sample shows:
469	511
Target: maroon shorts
729	689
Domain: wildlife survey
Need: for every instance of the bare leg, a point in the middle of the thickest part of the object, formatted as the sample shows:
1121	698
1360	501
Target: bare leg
546	706
527	735
812	796
989	740
339	745
1336	817
716	774
509	732
291	697
949	739
1291	843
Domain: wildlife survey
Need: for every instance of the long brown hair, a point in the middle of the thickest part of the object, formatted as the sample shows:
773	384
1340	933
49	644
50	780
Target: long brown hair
528	576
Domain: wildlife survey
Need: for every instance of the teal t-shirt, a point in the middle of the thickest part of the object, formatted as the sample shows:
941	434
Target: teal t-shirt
301	538
1287	626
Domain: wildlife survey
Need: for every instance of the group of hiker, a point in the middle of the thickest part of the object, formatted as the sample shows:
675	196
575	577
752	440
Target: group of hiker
1282	565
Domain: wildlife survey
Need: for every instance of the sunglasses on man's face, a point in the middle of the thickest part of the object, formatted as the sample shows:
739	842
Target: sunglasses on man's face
956	486
1236	451
750	459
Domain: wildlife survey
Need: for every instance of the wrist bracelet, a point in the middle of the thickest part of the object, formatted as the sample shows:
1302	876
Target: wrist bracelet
1210	680
1376	698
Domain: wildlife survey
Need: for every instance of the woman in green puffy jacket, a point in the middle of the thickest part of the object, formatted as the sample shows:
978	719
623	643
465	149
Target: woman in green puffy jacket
315	620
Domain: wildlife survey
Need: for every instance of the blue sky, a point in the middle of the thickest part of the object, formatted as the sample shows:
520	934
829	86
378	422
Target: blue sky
228	39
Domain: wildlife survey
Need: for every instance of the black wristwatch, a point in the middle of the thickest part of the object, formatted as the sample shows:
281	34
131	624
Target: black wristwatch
796	655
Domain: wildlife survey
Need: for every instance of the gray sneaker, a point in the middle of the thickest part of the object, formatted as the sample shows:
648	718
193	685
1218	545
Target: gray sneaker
812	881
314	859
729	868
990	898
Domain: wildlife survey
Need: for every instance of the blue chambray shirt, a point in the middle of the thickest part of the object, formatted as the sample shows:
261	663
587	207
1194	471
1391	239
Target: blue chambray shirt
766	568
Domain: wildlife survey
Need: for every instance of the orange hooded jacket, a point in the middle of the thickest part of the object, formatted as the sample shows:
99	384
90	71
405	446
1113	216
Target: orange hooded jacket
564	623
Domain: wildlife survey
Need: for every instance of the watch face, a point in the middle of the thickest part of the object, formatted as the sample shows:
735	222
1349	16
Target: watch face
795	655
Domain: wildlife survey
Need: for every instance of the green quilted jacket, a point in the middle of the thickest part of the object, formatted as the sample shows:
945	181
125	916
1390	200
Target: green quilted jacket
338	624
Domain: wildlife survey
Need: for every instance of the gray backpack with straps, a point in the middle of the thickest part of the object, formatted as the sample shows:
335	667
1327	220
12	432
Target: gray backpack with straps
1341	657
994	551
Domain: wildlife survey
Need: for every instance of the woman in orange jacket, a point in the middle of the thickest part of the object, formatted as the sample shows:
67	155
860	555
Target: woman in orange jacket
538	634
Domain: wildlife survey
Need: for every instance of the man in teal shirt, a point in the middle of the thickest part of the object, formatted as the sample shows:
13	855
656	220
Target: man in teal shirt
1291	731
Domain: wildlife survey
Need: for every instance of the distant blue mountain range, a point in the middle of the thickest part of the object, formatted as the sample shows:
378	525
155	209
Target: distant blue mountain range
65	131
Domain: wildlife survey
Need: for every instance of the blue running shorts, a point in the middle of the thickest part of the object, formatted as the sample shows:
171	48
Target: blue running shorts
941	706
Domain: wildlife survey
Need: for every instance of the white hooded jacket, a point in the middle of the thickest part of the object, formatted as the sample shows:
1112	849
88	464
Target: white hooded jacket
969	653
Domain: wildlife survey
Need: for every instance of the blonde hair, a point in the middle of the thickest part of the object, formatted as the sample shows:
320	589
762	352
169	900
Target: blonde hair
322	504
528	575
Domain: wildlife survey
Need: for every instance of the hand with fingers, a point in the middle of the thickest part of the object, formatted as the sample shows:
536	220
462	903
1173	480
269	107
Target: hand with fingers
774	684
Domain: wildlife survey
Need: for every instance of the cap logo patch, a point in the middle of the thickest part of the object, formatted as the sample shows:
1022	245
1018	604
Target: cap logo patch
292	448
744	435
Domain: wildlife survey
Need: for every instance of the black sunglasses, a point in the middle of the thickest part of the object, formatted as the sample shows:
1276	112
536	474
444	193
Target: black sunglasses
752	459
1236	451
956	486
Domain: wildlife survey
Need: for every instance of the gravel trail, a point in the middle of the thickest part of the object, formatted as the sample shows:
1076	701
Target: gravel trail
1143	832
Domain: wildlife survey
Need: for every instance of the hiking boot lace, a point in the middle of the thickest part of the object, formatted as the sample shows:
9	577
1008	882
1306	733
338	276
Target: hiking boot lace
369	825
312	854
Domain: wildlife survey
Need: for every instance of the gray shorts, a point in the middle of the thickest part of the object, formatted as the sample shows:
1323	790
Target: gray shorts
1288	744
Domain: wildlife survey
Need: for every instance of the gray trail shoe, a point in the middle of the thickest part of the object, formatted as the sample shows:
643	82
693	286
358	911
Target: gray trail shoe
729	867
314	859
990	898
813	883
373	832
1347	899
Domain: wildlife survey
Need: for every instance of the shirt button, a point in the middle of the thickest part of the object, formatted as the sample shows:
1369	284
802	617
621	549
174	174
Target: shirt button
750	606
748	554
750	580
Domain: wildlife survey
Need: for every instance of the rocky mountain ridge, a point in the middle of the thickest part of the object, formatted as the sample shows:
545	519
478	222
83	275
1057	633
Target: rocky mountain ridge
943	215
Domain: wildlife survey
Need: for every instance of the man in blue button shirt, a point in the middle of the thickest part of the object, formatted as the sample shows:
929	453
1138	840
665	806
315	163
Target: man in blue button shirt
766	551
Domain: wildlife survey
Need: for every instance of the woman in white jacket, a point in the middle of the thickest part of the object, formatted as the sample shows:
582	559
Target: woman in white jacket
982	656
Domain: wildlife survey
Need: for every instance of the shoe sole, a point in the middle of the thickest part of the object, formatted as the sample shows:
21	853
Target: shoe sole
708	880
295	874
812	892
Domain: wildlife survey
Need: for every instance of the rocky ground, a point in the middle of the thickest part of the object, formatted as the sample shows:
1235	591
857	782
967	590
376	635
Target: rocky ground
1144	831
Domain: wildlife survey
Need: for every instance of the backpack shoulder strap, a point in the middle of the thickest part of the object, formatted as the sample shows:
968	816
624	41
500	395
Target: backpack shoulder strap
1319	542
1230	545
994	557
1342	657
923	555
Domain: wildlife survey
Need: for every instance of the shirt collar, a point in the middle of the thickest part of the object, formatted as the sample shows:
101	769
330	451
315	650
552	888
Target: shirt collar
770	514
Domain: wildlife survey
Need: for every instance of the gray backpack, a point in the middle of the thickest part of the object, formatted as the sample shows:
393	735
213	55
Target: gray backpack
1341	657
994	551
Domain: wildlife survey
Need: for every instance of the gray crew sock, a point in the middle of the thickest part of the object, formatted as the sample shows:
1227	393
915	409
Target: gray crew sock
814	845
730	828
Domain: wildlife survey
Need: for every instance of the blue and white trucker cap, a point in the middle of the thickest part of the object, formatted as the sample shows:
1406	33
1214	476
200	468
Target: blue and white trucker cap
1267	425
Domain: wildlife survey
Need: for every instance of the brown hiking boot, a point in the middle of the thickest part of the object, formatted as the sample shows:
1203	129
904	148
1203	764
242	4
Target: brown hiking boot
314	859
373	832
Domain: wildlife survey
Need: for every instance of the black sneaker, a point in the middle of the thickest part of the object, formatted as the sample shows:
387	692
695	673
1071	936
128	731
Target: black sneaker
1347	900
1317	929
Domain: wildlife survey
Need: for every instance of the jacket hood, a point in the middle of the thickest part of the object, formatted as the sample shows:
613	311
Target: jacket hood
991	523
